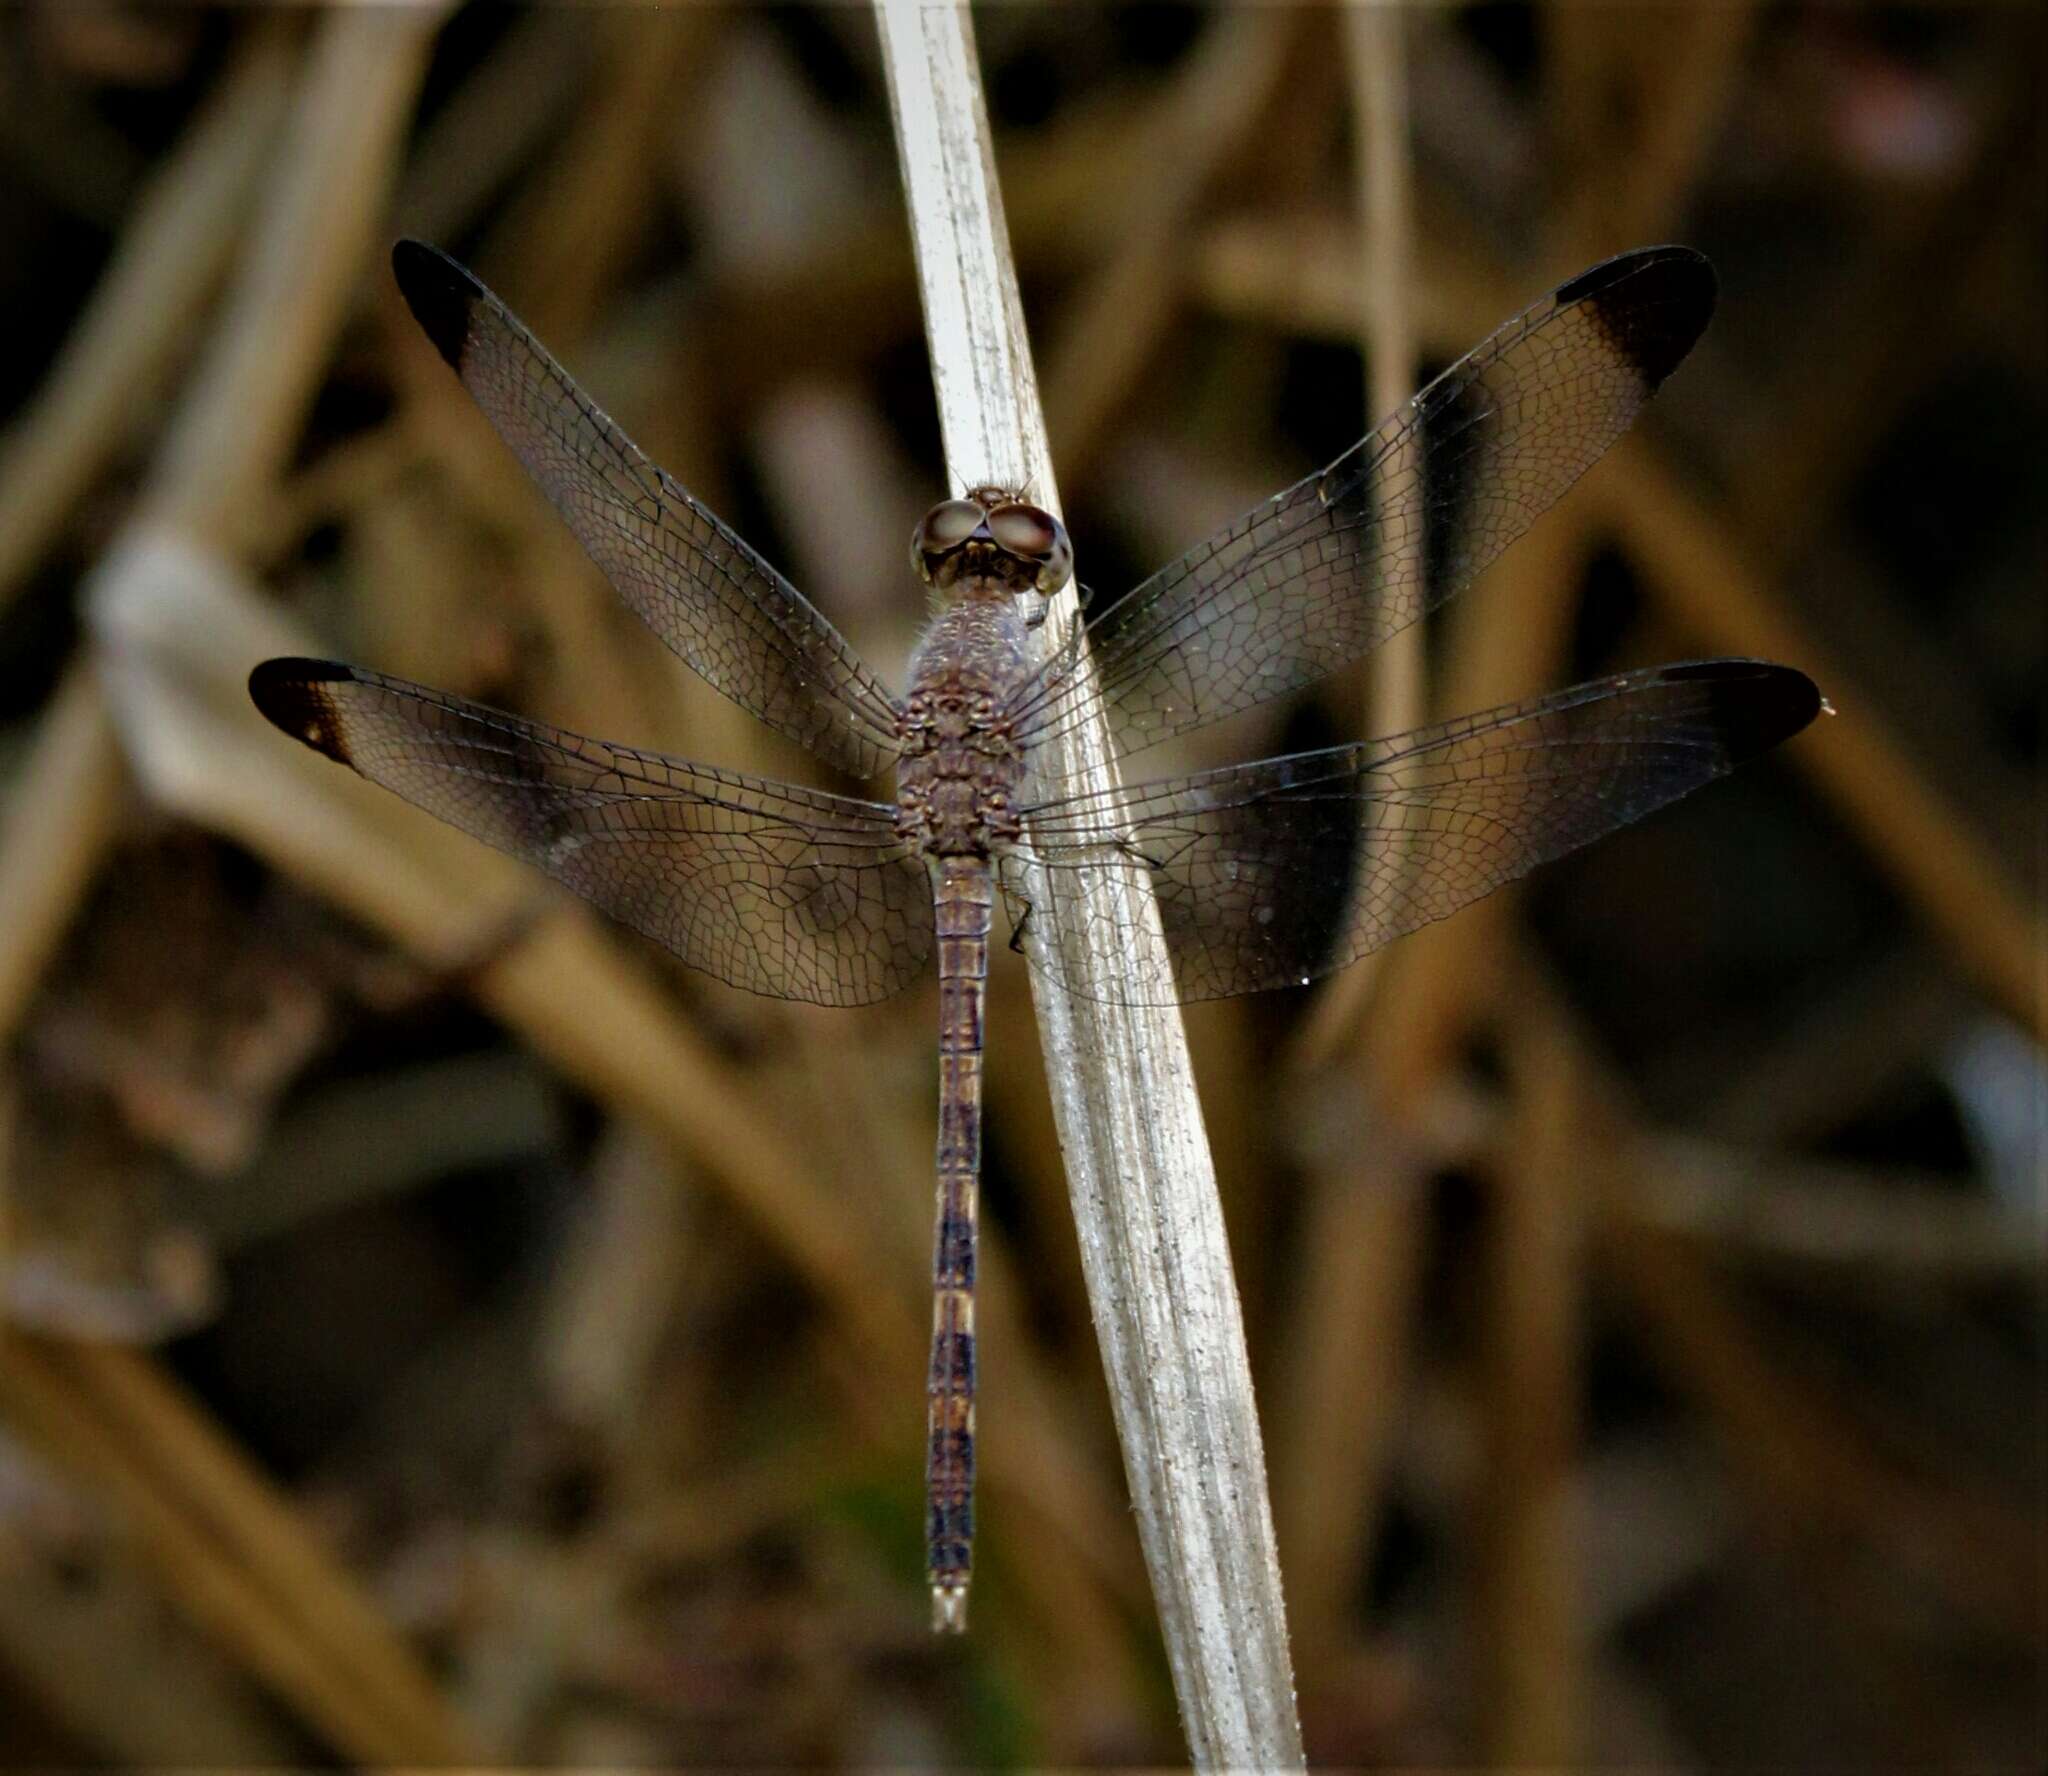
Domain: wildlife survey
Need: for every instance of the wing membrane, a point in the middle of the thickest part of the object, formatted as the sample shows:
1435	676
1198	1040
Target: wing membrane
1249	862
712	600
788	892
1321	574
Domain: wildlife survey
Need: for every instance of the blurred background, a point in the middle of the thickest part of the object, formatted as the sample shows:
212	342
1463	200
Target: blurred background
434	1326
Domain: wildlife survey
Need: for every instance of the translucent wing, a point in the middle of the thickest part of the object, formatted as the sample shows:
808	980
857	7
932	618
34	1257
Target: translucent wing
1323	573
784	891
1270	874
710	598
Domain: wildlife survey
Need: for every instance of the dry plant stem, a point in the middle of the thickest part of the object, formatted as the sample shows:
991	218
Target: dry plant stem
1740	1201
595	203
1144	1195
1346	1338
1119	319
1376	55
234	427
180	630
55	825
233	1602
1850	1219
131	1690
1643	192
1347	1333
169	258
230	439
333	174
492	123
1801	1454
1395	680
1529	1619
1301	274
1694	564
191	1460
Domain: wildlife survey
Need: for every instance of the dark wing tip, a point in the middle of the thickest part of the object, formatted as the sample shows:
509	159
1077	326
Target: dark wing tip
293	696
1756	704
1653	304
440	294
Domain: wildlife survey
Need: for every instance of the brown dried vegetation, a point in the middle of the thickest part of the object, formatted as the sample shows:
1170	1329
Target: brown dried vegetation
433	1327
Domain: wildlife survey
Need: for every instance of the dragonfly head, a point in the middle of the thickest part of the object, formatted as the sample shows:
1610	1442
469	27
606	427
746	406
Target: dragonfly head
992	535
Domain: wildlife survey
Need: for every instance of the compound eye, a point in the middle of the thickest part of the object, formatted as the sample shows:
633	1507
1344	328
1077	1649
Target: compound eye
949	524
941	531
944	528
1025	530
1037	536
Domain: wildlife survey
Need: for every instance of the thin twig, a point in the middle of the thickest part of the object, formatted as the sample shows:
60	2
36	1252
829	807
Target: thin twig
1142	1185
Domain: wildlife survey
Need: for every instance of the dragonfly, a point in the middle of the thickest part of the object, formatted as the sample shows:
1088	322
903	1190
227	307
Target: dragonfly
1265	875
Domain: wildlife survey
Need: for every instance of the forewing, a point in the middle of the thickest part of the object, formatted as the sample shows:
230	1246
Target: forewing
784	891
710	598
1270	874
1323	573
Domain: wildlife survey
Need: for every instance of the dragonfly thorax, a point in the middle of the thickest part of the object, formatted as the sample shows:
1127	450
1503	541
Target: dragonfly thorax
962	762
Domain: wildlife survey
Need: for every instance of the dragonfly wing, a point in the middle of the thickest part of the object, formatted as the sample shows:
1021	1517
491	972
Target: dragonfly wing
1270	874
751	634
1320	575
784	891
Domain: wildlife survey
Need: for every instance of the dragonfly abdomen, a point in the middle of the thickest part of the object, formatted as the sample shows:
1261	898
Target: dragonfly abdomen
963	899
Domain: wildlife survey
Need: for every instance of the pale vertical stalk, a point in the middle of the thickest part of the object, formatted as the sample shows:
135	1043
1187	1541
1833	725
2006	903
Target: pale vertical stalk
1142	1184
